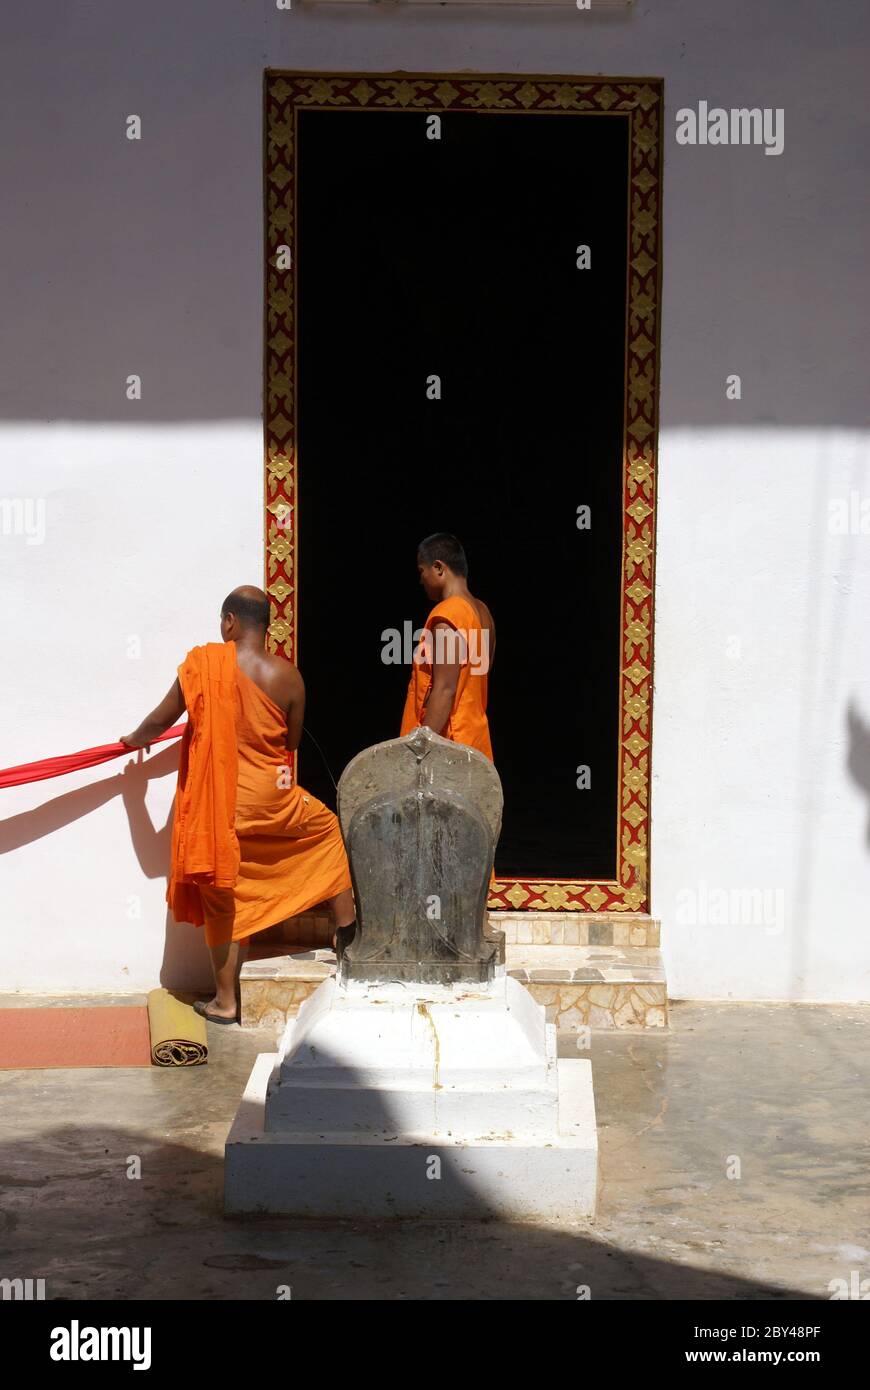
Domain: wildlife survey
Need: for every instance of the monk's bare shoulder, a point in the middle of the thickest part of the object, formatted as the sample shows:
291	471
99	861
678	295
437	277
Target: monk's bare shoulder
276	677
288	687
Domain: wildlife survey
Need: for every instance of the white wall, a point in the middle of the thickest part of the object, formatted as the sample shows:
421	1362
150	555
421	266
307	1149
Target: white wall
761	745
147	528
146	258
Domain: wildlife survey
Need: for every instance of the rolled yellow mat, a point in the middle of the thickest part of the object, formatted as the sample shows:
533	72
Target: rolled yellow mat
178	1035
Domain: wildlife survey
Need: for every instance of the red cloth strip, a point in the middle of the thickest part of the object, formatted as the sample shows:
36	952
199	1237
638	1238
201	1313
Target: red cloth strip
71	762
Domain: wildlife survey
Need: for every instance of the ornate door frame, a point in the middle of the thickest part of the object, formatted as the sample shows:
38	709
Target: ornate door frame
640	100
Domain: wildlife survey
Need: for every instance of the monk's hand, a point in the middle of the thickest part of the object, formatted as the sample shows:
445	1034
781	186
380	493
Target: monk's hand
134	741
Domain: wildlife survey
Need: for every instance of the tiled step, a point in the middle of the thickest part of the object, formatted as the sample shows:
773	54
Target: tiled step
594	986
580	986
273	987
312	929
577	928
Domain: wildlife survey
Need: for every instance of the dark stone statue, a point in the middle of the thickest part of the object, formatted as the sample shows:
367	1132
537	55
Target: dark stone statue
421	818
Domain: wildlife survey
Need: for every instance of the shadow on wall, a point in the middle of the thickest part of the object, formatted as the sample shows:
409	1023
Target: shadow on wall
858	755
186	963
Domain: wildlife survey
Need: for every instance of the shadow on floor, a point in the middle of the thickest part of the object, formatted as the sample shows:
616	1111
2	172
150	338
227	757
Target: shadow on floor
775	1085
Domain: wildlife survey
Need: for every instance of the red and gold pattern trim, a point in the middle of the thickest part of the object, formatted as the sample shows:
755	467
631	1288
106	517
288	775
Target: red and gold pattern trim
641	100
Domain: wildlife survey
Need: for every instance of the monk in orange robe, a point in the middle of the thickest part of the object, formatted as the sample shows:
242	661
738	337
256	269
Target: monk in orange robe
450	676
250	847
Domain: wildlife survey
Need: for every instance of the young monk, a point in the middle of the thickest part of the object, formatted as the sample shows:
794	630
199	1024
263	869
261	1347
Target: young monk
450	676
248	848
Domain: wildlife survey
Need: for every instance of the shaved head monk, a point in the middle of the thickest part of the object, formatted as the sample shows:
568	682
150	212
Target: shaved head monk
249	847
450	675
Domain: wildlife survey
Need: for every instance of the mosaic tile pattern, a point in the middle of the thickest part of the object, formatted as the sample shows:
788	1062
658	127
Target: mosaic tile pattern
573	1006
272	990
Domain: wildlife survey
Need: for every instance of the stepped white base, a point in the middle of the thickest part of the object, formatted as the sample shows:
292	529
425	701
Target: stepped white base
418	1101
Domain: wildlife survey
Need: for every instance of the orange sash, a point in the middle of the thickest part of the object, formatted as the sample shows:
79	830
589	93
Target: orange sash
205	847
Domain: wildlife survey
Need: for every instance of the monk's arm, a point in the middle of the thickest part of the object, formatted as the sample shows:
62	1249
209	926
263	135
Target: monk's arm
295	711
167	713
445	681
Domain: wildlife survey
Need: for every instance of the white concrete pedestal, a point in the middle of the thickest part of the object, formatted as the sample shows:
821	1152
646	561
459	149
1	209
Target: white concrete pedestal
416	1101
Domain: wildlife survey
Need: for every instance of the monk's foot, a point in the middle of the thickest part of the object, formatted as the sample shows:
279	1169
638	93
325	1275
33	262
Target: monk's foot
214	1012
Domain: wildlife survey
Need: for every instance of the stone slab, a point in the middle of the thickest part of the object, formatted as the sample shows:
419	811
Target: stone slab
420	860
419	759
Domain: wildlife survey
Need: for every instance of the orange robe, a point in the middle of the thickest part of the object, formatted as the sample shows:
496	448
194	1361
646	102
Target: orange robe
289	855
468	722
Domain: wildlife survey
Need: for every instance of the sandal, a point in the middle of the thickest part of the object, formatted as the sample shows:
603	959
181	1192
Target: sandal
199	1008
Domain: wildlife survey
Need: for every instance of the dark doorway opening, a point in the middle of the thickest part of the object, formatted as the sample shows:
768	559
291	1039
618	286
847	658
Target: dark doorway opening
457	258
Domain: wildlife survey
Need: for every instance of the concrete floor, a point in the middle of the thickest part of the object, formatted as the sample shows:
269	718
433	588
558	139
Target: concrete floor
783	1088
